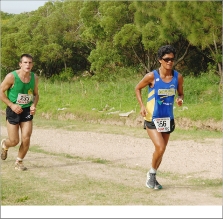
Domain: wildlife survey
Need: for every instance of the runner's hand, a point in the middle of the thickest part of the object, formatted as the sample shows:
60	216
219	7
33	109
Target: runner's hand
16	108
143	111
179	101
32	110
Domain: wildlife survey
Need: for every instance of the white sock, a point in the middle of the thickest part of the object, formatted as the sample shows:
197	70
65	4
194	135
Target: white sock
18	159
3	144
152	170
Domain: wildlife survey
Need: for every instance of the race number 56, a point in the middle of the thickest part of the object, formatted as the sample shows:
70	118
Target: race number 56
162	124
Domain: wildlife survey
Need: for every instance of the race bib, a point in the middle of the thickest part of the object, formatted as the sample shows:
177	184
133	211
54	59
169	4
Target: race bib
162	124
24	98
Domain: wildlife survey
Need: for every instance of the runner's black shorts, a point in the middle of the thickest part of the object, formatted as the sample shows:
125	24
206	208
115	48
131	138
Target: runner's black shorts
151	125
14	118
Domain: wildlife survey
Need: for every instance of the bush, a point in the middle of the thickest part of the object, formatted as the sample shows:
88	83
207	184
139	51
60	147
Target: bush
64	76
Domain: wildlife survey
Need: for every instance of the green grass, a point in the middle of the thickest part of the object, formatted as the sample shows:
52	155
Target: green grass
109	127
71	188
201	111
67	181
78	125
37	149
206	182
60	179
88	99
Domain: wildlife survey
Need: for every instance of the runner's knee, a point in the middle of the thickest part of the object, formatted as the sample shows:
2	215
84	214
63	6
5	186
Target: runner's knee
160	149
14	142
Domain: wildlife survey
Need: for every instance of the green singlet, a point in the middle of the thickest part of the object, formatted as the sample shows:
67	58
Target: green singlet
21	93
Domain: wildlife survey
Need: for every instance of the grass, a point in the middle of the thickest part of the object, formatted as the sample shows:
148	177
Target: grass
78	125
88	99
70	189
62	180
201	111
109	127
65	180
65	185
37	149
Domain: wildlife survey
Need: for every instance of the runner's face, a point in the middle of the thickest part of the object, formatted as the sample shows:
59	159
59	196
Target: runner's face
167	61
26	64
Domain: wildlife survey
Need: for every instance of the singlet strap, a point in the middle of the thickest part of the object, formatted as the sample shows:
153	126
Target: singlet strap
159	72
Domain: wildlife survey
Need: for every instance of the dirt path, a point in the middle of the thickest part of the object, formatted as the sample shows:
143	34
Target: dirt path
184	157
187	158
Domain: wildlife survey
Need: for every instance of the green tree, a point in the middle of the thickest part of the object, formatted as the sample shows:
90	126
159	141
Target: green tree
102	20
202	27
72	36
154	21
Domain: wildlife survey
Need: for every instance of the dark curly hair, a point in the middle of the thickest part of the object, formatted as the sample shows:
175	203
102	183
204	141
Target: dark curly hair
167	49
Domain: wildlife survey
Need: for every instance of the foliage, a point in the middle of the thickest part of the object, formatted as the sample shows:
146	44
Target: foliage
65	76
88	98
102	36
205	35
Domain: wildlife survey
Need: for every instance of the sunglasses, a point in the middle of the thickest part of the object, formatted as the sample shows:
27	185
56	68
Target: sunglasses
168	59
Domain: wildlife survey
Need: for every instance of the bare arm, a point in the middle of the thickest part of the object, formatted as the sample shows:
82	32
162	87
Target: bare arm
5	85
180	90
147	80
36	97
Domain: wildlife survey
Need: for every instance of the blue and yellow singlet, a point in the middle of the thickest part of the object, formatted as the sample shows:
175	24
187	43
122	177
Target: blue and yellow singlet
161	97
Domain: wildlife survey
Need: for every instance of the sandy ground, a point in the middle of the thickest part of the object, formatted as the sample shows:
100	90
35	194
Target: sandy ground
204	159
185	158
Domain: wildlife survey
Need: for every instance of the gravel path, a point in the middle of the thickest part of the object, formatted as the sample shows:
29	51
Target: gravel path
185	157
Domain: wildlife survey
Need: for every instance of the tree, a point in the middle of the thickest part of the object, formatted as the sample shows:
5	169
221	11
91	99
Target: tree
154	21
102	21
202	27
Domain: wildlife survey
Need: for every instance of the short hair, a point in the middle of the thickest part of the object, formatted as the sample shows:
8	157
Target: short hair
167	49
25	55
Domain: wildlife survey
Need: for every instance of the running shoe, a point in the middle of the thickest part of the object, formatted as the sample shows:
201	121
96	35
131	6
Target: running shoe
4	150
157	185
151	180
19	166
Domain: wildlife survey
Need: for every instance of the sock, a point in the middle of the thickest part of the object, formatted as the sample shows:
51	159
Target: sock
18	159
3	144
152	170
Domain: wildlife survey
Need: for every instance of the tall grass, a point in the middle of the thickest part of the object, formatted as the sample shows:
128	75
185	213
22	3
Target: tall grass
89	99
202	101
202	89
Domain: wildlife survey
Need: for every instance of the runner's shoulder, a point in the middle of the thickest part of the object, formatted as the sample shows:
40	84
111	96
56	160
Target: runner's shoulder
149	77
10	77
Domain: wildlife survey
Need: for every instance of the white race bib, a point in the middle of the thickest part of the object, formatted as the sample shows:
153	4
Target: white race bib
162	124
24	98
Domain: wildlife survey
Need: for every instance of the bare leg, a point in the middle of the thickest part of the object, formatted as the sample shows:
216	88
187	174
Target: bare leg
160	141
13	135
166	139
26	132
